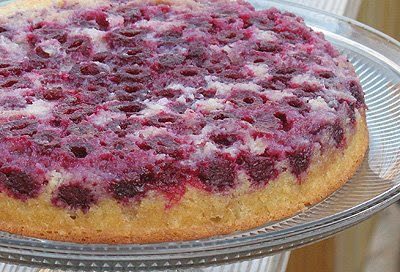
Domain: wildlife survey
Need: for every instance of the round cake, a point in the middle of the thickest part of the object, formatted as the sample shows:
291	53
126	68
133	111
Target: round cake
158	120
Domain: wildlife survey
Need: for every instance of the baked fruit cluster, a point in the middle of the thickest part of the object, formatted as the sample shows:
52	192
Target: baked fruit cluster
148	121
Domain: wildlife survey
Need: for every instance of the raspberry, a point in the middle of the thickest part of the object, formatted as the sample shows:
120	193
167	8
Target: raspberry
46	31
291	37
260	169
224	139
89	69
19	127
19	184
131	14
74	113
129	108
296	103
355	89
136	55
262	23
165	144
53	94
99	17
104	57
41	53
169	176
299	161
7	69
267	47
137	74
74	196
125	189
79	45
246	98
334	130
46	141
79	152
169	93
286	125
229	36
218	175
125	37
197	51
217	62
326	74
170	61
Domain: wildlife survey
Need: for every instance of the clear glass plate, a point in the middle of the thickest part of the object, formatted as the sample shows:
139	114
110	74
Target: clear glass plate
375	185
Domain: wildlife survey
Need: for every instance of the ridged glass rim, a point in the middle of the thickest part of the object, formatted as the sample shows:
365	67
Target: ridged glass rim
228	248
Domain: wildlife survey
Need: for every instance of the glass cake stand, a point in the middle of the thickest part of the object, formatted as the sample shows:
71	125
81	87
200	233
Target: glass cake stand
375	186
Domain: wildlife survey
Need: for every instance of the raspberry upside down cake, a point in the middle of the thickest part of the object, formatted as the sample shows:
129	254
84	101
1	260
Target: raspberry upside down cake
147	121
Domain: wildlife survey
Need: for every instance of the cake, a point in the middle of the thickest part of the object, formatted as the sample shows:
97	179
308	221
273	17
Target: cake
157	120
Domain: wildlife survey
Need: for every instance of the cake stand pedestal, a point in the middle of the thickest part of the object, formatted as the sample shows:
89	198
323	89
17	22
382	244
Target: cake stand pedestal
275	263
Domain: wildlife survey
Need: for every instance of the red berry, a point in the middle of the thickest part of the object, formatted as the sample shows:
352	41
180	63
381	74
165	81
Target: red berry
260	169
299	160
19	184
218	175
74	196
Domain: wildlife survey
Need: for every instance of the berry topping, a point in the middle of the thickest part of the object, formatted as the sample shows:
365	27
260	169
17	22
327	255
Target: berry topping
148	96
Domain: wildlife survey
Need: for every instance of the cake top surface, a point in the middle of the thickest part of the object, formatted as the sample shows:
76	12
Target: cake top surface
123	98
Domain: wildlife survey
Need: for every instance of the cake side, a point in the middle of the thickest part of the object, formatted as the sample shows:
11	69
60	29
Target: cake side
198	215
